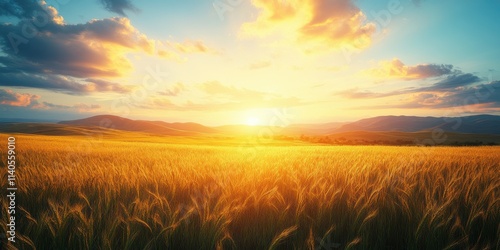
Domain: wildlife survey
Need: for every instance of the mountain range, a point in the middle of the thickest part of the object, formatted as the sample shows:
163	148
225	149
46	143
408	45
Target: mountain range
155	127
477	124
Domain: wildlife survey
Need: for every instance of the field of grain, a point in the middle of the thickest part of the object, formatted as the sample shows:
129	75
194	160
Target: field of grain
76	193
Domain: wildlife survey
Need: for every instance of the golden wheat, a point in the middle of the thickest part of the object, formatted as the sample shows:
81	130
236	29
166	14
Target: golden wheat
76	193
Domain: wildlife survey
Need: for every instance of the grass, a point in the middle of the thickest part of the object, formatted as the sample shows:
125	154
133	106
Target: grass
76	193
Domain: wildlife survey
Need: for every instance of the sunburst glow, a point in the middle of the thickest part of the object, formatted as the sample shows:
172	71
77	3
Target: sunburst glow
252	121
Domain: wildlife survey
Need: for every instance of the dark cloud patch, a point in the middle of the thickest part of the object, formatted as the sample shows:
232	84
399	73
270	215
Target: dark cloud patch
481	97
93	49
26	9
61	57
119	6
488	94
452	81
7	96
61	83
396	69
449	83
10	98
430	70
41	51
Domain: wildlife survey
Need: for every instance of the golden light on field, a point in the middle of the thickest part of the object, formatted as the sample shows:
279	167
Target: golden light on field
259	124
297	196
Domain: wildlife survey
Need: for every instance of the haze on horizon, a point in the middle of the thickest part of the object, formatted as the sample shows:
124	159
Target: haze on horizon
215	63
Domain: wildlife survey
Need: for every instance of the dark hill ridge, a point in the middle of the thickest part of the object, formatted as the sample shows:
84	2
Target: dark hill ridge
156	127
477	124
382	130
54	129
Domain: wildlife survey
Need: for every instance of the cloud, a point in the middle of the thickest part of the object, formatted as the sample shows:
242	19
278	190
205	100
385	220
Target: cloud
230	97
27	9
119	6
396	69
10	98
260	65
41	51
173	90
197	105
97	48
79	107
355	93
190	46
174	50
485	95
220	90
216	96
315	24
475	98
94	49
452	83
61	83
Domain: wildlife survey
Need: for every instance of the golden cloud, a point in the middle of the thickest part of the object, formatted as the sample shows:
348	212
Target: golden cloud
396	69
11	98
31	101
314	24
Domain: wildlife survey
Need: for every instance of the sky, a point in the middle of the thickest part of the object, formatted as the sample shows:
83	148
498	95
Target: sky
248	61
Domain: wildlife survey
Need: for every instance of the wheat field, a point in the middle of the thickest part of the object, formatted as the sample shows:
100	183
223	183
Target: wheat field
76	193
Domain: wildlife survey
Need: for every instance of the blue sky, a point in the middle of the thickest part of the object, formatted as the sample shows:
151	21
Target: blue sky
322	60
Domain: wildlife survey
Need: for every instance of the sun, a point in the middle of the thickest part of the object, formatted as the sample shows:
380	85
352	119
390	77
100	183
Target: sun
252	121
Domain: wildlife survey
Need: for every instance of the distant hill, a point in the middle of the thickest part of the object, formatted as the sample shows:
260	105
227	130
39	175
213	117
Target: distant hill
53	129
478	124
378	130
156	127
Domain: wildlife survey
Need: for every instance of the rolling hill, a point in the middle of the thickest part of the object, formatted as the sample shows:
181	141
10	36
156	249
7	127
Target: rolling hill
53	129
470	130
155	127
478	124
